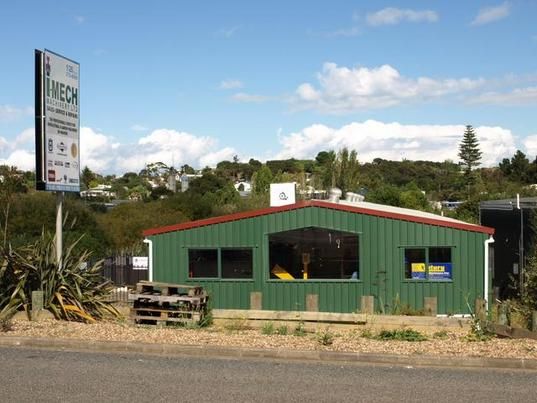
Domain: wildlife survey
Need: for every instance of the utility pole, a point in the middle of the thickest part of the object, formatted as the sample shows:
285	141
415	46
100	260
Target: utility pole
59	227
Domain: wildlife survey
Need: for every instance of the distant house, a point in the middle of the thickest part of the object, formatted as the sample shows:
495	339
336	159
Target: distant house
185	180
244	188
98	192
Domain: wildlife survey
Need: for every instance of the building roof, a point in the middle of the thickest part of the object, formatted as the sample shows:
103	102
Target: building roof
378	210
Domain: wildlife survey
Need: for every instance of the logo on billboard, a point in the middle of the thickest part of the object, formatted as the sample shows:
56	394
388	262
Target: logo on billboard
47	66
50	145
62	147
74	150
51	175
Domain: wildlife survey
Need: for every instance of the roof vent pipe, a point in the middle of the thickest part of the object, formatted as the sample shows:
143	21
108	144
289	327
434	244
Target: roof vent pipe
334	195
353	197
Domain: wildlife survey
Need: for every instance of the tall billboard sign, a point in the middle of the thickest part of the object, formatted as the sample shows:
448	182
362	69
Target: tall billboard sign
57	125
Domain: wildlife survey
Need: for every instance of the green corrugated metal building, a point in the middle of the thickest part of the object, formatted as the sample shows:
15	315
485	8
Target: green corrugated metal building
338	251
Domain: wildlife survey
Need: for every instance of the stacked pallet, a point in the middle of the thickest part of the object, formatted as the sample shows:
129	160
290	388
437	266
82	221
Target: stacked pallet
164	303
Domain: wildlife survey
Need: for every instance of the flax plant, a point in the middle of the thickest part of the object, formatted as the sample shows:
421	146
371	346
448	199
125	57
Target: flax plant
73	290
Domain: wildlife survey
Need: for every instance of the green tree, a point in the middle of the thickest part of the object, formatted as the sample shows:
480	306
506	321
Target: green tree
347	170
261	180
87	176
324	169
470	157
469	152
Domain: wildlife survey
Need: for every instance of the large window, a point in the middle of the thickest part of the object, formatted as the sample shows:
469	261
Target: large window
203	262
226	263
433	263
236	263
313	253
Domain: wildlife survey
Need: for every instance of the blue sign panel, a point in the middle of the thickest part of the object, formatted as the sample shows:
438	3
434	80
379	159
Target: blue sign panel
440	271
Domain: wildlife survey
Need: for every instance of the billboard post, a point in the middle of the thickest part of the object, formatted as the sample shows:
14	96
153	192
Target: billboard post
57	129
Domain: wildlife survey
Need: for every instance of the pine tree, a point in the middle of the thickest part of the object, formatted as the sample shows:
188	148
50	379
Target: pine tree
469	152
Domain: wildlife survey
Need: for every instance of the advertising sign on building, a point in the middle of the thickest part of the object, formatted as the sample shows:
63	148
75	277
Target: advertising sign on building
439	271
282	194
57	100
418	271
140	262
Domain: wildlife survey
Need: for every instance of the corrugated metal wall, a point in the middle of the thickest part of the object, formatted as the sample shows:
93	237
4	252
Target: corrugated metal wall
382	243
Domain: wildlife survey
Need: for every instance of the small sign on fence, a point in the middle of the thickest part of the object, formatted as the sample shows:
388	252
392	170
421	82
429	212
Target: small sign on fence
140	263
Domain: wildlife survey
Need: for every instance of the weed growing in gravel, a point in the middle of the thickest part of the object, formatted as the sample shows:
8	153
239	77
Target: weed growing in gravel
366	333
401	335
268	328
299	329
5	325
282	330
236	325
440	335
325	337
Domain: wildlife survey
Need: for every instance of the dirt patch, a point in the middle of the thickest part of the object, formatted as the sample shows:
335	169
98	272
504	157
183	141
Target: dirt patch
444	343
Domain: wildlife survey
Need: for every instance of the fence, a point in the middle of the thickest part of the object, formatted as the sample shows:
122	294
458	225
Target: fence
120	270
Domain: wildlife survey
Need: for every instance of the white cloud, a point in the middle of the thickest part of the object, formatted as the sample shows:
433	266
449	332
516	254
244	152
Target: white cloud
392	16
22	159
211	159
394	141
138	128
97	150
79	19
25	137
517	96
249	98
343	89
9	113
231	84
530	144
487	15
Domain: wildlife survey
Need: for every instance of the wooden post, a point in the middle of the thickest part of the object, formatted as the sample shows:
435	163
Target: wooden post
534	321
367	304
37	303
431	306
256	300
480	309
312	302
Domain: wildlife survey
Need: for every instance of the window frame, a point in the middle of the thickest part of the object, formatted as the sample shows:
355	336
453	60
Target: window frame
266	259
427	262
218	250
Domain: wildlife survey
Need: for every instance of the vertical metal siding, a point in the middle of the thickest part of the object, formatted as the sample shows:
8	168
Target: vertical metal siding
381	243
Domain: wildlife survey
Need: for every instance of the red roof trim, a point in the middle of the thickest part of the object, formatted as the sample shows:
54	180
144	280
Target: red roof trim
317	203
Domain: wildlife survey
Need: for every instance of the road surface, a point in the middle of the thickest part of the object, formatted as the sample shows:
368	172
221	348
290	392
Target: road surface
30	375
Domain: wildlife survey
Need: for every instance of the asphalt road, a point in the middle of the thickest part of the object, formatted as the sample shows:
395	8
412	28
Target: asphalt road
31	375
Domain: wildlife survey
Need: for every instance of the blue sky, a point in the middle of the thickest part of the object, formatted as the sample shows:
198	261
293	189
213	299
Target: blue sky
199	82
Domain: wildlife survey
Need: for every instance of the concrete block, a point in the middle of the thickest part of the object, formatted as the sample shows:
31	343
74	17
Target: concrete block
312	302
430	304
367	304
256	300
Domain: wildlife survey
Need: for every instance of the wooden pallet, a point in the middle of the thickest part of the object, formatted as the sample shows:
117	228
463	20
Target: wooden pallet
164	303
159	288
154	316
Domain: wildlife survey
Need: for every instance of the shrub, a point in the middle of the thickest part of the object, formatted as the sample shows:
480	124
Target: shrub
325	337
72	290
268	328
299	329
401	335
282	330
